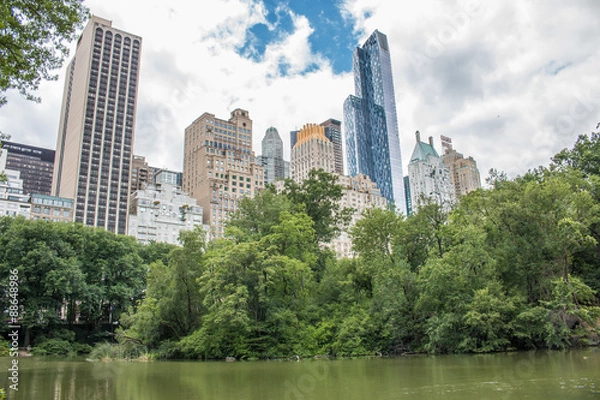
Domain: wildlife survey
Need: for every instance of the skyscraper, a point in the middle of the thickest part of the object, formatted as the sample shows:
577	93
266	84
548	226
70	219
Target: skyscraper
293	138
142	174
333	132
464	173
312	151
219	166
13	201
371	126
35	164
96	127
428	177
272	156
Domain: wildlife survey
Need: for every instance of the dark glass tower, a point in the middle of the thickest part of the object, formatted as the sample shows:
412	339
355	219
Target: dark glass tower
371	124
333	132
97	122
36	165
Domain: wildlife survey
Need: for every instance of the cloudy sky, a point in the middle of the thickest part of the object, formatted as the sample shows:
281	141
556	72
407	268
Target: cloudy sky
512	82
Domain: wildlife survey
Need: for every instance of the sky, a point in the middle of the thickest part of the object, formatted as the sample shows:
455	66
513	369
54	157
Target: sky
511	83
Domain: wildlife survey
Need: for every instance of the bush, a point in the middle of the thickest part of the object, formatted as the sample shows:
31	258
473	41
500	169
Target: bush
82	348
124	351
53	347
4	349
169	350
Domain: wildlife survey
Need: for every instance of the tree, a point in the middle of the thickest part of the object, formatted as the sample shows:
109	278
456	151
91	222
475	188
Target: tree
256	216
34	35
156	251
320	194
376	233
172	307
585	155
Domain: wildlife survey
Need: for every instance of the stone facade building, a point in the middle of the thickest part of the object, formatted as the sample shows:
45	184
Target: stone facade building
219	166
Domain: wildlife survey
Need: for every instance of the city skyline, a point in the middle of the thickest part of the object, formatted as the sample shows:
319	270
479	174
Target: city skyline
512	83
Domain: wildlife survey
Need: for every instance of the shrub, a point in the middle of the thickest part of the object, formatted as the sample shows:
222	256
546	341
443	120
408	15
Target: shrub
125	351
53	347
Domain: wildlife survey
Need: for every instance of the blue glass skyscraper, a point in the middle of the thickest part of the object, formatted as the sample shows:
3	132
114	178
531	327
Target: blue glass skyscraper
371	124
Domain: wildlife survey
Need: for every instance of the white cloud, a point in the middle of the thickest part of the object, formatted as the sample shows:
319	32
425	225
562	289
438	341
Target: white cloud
511	83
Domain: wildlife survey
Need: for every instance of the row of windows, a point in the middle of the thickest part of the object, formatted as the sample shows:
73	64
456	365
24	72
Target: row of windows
47	211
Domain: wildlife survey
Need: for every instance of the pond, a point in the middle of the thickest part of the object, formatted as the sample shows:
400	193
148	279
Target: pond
573	374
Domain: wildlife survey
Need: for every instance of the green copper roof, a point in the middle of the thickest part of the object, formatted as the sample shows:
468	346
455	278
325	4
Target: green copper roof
421	151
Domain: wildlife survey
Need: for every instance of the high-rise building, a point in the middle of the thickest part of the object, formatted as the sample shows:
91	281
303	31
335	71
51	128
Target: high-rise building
360	194
13	201
407	196
333	132
428	177
35	165
159	212
97	123
272	156
312	151
464	173
142	174
370	121
219	166
293	138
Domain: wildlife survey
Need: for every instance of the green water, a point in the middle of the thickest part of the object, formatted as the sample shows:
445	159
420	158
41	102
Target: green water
573	374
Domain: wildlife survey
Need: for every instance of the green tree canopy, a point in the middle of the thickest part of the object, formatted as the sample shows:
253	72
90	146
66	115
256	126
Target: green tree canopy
320	195
34	36
584	156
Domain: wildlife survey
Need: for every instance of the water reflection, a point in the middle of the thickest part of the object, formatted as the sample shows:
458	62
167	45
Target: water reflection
535	375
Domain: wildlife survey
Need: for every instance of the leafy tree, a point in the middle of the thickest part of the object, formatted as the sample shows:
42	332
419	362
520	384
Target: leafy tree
94	273
255	217
320	195
584	156
488	320
172	306
377	233
447	286
112	264
255	289
37	249
34	35
569	311
156	251
510	267
424	234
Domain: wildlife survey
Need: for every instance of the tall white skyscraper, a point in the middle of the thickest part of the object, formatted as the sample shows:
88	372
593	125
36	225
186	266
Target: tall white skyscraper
97	123
429	178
